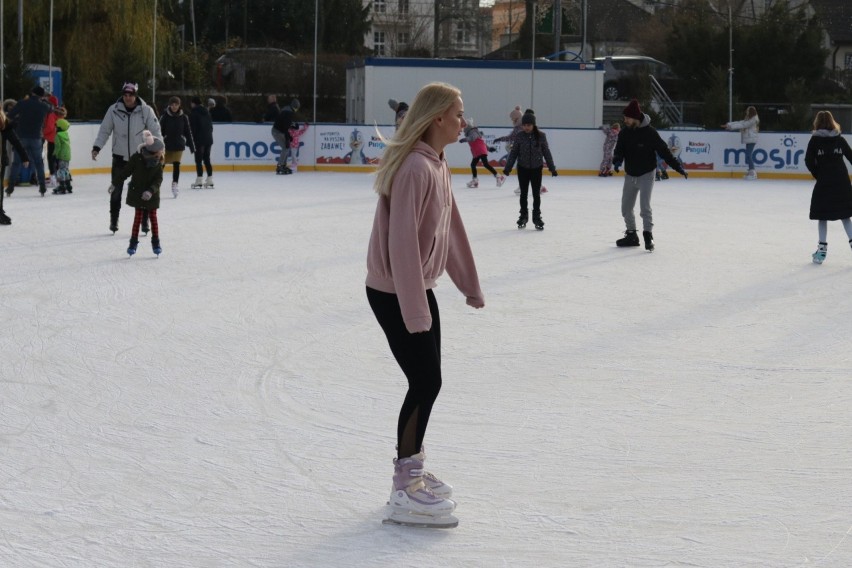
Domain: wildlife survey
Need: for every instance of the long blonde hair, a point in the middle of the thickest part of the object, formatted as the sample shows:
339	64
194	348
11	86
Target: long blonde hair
824	120
431	101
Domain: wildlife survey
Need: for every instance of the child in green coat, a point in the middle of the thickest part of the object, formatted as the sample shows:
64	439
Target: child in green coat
145	170
62	155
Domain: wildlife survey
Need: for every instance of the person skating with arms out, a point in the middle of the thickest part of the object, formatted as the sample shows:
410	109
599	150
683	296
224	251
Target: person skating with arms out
145	170
749	128
831	199
417	235
479	149
637	148
530	149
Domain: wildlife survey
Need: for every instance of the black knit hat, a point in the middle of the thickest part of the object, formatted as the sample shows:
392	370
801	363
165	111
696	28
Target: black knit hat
528	118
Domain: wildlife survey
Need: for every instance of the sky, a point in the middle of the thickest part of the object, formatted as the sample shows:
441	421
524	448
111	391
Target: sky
234	402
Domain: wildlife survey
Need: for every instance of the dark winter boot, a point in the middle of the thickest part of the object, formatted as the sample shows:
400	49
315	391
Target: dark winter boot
631	239
131	250
537	221
649	240
155	245
4	219
10	189
522	219
42	189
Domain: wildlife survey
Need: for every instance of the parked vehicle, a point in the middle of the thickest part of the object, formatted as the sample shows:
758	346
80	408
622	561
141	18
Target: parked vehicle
626	76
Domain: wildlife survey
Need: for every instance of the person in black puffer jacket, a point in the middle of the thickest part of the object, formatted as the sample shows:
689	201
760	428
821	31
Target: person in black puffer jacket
530	149
637	148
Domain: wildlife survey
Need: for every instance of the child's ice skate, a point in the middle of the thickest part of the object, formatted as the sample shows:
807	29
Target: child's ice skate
198	183
131	250
522	219
543	190
175	189
501	179
208	183
473	183
155	246
819	255
538	222
412	503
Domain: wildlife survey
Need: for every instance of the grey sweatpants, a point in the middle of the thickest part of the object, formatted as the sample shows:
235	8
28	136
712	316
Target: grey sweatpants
641	186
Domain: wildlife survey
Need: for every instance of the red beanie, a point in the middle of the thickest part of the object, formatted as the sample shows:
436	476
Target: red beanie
632	110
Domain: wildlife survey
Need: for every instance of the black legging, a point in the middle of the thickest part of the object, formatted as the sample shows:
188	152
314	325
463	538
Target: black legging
202	156
484	159
419	357
525	177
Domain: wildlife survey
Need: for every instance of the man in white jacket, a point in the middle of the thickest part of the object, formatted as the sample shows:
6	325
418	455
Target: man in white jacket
125	120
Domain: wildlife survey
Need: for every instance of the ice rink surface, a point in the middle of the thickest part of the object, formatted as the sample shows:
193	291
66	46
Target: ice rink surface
233	403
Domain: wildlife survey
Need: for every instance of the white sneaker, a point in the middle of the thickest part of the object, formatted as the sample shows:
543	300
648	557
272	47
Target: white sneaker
473	183
500	179
175	189
208	183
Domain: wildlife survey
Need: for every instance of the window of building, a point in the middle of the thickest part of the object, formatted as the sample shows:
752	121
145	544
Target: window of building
403	7
379	43
463	33
380	6
403	38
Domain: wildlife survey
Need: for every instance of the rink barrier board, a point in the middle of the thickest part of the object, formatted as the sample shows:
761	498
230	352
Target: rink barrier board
576	152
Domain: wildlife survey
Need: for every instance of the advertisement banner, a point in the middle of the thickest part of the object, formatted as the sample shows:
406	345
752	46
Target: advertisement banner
241	146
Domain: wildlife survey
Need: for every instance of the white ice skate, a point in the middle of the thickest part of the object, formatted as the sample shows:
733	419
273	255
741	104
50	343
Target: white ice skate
751	175
500	180
198	183
208	183
473	183
412	503
175	189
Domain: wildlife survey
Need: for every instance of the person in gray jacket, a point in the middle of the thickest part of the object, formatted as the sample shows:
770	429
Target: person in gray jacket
125	121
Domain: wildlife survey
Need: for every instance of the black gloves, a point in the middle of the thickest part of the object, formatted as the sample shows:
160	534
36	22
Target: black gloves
682	172
554	173
506	172
492	149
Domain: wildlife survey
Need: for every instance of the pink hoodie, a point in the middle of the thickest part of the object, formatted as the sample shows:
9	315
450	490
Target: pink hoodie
417	234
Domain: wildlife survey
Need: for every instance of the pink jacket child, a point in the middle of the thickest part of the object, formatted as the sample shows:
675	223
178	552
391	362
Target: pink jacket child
611	137
296	143
421	215
479	149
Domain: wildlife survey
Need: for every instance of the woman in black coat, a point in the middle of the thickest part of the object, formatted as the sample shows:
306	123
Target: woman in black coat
7	134
177	136
202	133
832	196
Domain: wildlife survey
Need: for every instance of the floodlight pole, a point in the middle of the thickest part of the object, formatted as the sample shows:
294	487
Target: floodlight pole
730	65
532	60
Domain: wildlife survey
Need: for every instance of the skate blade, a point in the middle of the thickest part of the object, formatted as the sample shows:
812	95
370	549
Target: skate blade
421	521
